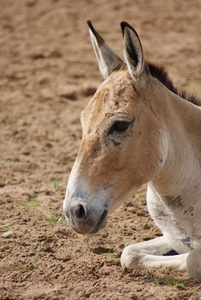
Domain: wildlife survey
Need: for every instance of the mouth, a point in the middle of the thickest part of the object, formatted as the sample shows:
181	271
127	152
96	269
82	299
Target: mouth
102	222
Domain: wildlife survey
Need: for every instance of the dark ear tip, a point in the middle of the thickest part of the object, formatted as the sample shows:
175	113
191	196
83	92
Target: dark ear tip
123	24
92	28
126	24
89	23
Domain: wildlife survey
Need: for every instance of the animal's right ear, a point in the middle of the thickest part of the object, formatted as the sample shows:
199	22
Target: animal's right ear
133	53
108	60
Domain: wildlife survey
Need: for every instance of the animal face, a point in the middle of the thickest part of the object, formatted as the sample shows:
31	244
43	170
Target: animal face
116	130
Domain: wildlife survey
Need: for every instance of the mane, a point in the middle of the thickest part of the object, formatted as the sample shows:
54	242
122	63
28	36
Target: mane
159	72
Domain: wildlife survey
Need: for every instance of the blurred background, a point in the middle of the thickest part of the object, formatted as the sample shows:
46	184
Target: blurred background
48	73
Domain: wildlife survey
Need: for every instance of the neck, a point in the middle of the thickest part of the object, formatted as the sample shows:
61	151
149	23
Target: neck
181	170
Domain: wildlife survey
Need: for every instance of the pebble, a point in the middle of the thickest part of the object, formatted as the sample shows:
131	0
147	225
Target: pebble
8	234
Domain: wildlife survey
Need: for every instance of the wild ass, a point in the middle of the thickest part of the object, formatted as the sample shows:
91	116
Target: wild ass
139	129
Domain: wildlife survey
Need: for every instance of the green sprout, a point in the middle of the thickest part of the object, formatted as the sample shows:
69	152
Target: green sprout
33	202
57	183
111	255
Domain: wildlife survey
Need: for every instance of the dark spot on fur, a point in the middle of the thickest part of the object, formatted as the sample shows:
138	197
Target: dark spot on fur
189	211
161	215
97	147
116	103
115	143
187	242
107	185
179	199
135	90
121	92
172	201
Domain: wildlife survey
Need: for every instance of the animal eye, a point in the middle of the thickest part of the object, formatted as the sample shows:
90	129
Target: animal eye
119	126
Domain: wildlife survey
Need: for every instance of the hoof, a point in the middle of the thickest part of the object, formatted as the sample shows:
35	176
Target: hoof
130	258
193	263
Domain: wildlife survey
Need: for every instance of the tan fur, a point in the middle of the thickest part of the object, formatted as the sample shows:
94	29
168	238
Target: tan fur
102	162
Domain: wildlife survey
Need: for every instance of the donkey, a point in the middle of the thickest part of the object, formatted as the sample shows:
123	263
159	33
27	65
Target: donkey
138	129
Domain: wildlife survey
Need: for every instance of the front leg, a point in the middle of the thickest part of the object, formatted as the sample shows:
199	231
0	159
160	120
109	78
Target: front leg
149	254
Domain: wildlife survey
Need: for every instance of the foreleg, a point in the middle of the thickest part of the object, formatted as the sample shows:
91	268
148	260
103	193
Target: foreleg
150	254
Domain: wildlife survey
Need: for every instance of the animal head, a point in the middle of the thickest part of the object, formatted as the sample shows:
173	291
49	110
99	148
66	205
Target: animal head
121	146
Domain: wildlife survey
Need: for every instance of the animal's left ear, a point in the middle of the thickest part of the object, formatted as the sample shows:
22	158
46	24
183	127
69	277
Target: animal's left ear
108	60
134	56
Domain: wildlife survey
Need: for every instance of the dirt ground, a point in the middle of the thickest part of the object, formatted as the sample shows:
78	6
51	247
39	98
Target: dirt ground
48	73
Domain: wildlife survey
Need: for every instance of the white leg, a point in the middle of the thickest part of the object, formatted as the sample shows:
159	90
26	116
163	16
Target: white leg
150	255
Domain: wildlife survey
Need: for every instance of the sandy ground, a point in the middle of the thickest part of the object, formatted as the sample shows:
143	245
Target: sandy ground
48	73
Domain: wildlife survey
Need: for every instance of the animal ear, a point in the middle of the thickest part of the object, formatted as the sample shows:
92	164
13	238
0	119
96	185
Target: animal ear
108	60
134	56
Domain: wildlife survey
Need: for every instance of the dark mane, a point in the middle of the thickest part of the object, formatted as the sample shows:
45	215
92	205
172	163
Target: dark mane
159	72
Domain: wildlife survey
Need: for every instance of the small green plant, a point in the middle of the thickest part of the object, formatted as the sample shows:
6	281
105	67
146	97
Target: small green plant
8	225
117	220
62	221
60	218
111	255
52	219
38	218
2	184
32	267
181	285
156	281
57	183
176	283
31	203
142	192
19	265
48	239
172	283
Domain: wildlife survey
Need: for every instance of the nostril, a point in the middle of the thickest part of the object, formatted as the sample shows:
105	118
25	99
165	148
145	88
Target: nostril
80	212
